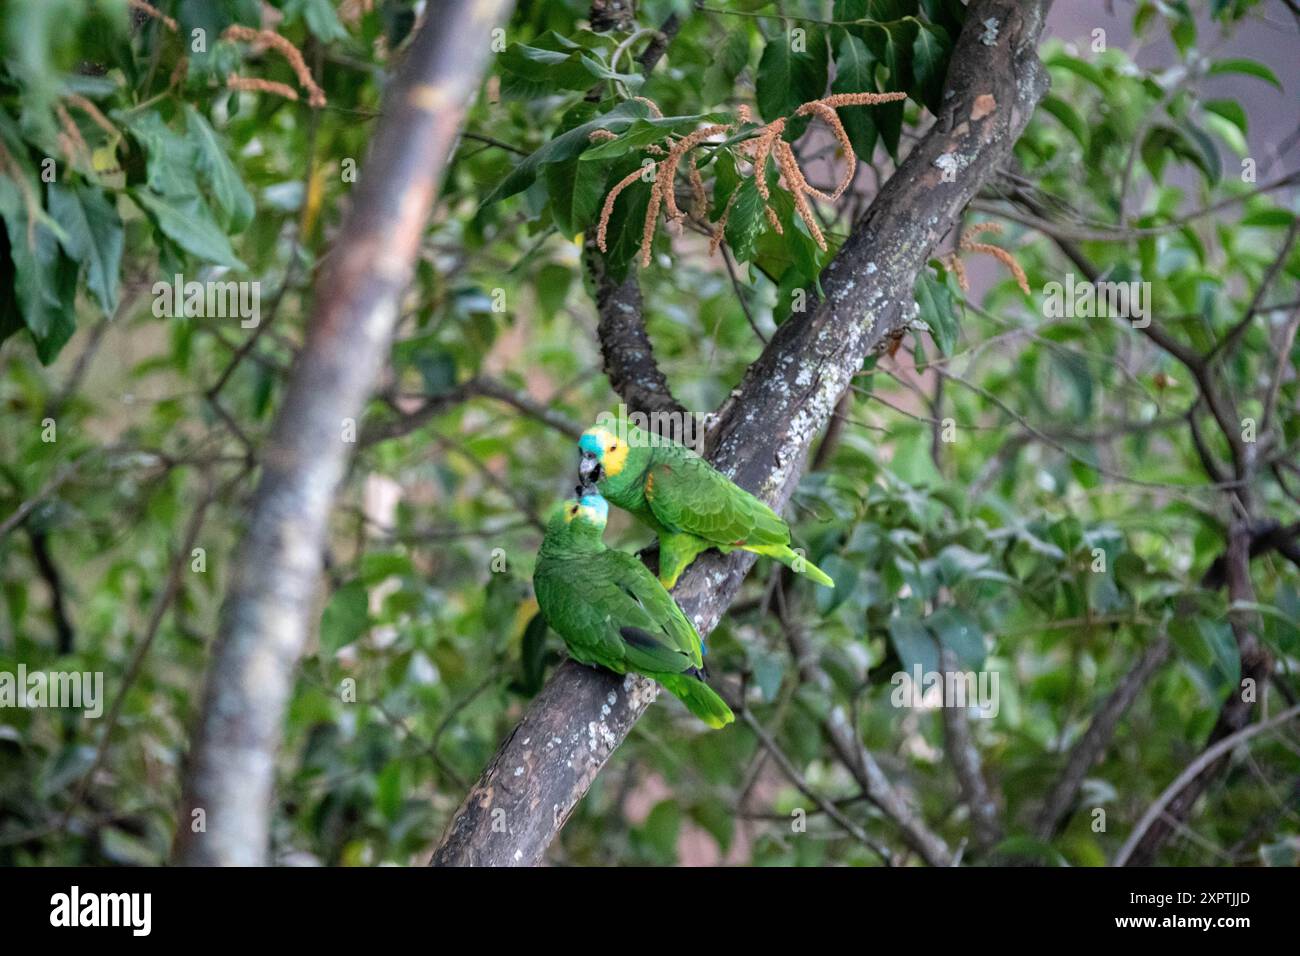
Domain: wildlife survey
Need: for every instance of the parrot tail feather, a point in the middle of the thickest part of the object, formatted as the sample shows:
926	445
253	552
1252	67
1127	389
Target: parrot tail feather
794	561
700	699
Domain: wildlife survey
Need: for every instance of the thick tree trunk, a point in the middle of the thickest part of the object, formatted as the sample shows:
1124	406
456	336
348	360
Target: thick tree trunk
225	818
762	437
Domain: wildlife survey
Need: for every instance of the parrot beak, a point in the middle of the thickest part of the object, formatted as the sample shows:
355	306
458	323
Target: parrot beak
589	468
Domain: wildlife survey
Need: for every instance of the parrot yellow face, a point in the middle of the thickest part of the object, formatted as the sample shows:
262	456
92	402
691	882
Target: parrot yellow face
604	454
590	509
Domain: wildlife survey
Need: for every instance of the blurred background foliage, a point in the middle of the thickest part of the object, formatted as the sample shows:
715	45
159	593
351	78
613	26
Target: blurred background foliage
1070	436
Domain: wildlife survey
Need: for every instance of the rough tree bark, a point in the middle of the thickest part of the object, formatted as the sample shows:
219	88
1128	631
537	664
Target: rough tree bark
763	432
276	571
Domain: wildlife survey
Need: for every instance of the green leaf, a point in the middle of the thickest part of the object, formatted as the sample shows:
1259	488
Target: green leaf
959	632
855	73
746	221
1230	110
218	172
171	157
566	146
789	77
930	64
187	221
1209	164
1188	143
914	644
346	616
92	236
642	133
935	303
1066	115
623	235
554	63
320	16
576	190
720	75
884	47
1080	68
1247	67
44	279
1268	218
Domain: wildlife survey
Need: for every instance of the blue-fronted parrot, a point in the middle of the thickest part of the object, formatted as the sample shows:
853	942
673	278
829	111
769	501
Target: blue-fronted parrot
612	613
687	502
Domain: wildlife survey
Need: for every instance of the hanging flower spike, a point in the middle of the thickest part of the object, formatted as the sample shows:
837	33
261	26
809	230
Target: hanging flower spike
91	110
952	262
699	199
824	109
668	167
315	95
968	244
799	189
759	152
720	228
253	84
651	105
608	208
1004	257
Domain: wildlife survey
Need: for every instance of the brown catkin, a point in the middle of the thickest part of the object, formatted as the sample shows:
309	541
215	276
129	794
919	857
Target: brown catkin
91	110
720	228
769	137
651	105
668	167
799	189
836	100
651	216
315	95
608	208
832	119
601	136
75	143
1004	257
978	228
253	84
954	265
179	72
699	199
767	143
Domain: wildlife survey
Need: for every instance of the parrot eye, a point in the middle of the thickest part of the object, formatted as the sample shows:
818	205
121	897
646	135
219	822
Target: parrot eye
614	447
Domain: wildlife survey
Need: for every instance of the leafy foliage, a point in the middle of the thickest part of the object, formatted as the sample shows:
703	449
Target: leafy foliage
1064	526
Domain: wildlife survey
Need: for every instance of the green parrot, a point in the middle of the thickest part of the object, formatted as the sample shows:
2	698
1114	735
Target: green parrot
688	503
612	612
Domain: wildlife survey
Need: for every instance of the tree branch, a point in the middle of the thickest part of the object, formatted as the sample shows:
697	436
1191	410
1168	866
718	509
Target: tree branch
276	571
1059	804
762	437
1196	770
630	363
967	766
1234	715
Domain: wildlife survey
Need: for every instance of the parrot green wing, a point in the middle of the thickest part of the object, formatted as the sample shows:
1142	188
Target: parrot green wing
671	626
686	493
609	614
570	614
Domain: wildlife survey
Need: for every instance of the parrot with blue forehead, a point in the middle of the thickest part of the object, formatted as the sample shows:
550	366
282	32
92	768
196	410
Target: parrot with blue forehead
612	613
687	502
